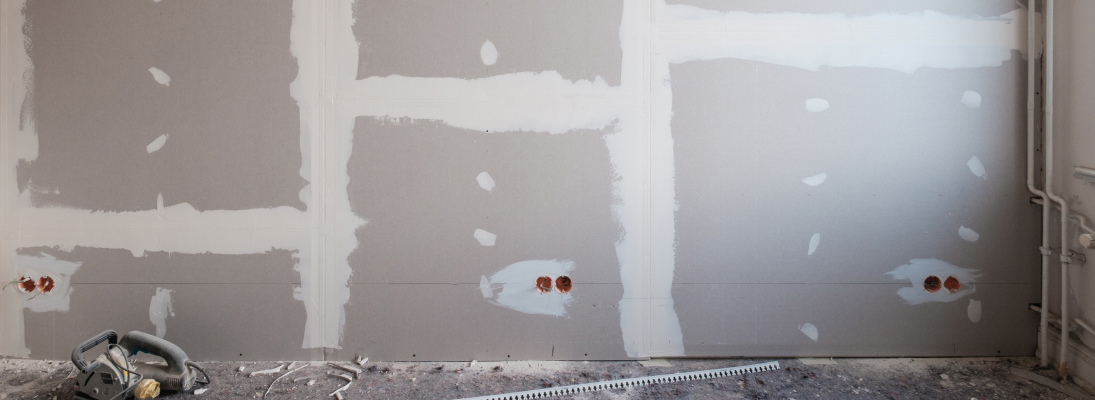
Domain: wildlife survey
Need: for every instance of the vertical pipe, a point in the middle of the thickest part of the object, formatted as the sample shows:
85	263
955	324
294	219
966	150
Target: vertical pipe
1062	368
1043	335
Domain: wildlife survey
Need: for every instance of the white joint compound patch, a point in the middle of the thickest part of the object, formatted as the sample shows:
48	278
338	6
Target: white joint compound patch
160	76
488	53
977	168
485	181
809	330
971	99
43	265
973	311
814	242
519	292
815	180
817	105
485	238
484	287
159	309
156	144
968	234
918	271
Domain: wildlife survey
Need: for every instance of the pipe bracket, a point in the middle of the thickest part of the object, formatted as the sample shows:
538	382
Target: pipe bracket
1046	251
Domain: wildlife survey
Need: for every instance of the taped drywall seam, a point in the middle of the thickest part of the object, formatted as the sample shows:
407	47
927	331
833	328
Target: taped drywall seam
629	151
903	42
16	141
666	338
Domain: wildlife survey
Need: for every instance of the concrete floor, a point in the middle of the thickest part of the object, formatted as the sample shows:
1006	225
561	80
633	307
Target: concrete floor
927	378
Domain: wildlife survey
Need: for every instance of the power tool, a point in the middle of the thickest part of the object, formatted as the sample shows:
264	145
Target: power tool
113	375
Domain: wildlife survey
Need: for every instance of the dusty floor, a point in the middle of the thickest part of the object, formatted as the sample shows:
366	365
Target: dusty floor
933	378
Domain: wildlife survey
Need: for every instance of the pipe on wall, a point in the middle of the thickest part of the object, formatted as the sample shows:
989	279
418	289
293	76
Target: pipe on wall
1062	368
1043	338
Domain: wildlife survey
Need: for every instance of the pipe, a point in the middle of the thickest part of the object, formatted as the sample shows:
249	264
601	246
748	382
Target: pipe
1043	324
1062	368
1084	325
1079	218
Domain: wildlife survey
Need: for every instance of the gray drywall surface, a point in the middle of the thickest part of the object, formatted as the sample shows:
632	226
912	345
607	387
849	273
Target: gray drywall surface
451	214
969	9
420	38
223	307
233	131
415	183
894	148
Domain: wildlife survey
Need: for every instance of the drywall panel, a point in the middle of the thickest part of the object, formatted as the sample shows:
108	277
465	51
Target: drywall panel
859	320
414	322
240	312
449	205
970	9
185	100
841	175
205	320
579	39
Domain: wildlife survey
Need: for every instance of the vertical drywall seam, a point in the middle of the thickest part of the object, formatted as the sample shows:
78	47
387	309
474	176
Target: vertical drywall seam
665	328
628	152
15	65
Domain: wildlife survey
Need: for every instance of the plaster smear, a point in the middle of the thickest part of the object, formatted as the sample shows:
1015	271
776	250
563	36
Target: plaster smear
809	330
814	242
902	42
488	53
920	269
977	168
519	292
61	271
817	105
160	76
968	234
523	101
971	99
485	238
484	286
156	144
485	181
973	311
159	309
815	180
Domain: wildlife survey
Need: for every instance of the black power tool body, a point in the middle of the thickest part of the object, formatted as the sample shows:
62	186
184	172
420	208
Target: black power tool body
113	375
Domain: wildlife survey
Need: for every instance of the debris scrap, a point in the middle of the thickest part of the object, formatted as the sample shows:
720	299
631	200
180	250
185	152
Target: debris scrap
270	371
361	361
200	391
355	371
279	378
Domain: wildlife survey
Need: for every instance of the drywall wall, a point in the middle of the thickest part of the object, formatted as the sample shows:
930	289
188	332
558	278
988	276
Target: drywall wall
324	179
1074	144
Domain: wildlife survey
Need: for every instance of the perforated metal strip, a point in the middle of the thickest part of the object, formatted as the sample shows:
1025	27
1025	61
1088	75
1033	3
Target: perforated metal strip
632	382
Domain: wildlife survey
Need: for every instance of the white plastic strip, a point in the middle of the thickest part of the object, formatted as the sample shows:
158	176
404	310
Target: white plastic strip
632	382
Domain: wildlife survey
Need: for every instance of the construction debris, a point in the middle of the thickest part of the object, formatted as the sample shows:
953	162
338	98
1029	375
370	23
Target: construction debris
355	371
279	378
1051	384
361	361
242	368
200	391
349	381
270	371
472	363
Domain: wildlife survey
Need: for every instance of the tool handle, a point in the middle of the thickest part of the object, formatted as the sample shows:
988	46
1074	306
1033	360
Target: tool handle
78	352
136	341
